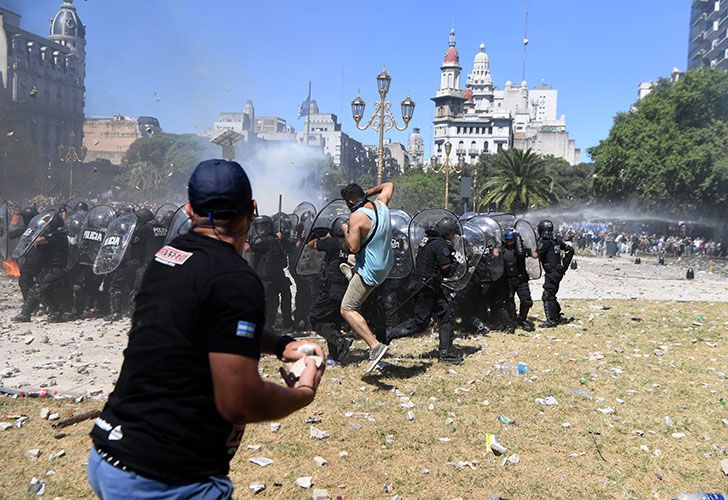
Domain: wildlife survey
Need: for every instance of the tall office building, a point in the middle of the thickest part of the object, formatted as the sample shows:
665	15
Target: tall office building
708	44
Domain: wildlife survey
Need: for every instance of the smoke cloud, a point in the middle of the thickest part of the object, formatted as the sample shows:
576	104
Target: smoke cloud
288	169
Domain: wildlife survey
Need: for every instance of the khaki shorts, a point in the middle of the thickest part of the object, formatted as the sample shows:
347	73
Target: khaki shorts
356	293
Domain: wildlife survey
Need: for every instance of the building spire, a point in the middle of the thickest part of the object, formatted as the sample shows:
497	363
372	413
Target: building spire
452	37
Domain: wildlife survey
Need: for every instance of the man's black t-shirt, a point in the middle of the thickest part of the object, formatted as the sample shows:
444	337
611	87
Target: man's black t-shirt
197	296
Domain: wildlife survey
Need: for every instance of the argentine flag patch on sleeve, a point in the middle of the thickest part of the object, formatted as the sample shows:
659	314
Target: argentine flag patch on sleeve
245	330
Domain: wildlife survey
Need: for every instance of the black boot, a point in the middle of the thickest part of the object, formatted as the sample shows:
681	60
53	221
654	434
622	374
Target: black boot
30	304
398	332
523	320
448	356
552	320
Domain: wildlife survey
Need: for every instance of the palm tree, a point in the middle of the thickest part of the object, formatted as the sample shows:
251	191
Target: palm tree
518	181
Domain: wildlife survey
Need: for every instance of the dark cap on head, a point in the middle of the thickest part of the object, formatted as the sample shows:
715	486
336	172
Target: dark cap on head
220	188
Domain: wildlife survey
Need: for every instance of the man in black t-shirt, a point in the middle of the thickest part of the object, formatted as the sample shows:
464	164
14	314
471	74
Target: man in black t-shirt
190	382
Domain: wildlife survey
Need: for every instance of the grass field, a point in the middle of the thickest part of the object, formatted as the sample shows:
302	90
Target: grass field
644	360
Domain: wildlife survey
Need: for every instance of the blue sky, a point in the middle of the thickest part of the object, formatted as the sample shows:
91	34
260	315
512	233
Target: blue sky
203	57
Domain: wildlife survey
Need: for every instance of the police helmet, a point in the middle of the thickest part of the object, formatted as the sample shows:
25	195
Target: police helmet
27	214
144	215
165	217
509	234
81	205
124	211
55	223
337	227
73	224
447	227
263	225
100	218
545	228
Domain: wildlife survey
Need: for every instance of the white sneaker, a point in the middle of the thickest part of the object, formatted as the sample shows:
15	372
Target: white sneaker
347	270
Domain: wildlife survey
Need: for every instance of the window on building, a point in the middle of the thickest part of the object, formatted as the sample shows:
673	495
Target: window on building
485	146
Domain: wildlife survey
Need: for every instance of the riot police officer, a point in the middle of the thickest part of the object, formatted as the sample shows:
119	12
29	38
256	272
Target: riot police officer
325	315
435	261
29	265
549	251
270	262
52	253
514	263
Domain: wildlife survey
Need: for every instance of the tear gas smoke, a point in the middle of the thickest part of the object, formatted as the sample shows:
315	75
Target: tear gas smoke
284	168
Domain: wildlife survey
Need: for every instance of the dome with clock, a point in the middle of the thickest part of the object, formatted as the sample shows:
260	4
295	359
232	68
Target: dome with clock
66	22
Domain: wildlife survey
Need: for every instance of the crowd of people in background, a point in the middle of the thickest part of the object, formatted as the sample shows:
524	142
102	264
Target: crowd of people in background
603	239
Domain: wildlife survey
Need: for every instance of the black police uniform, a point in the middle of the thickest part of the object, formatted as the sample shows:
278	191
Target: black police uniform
52	254
270	262
549	251
514	263
29	264
161	420
86	283
431	299
325	315
124	281
306	286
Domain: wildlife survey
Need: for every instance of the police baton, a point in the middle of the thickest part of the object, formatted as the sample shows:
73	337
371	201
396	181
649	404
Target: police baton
412	295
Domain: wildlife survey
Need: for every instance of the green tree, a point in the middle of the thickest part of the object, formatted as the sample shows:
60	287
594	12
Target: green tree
671	151
576	181
158	167
517	181
416	190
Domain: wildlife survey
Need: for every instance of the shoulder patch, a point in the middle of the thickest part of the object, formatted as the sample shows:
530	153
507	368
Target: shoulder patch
246	330
171	256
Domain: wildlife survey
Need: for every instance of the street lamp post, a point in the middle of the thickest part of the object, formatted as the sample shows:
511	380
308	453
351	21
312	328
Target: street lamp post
382	118
447	169
70	156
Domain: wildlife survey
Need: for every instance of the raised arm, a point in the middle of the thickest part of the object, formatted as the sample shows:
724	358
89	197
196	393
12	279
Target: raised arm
384	192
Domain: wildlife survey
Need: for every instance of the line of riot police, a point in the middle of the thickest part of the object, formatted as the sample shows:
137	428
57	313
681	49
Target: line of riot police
461	272
79	261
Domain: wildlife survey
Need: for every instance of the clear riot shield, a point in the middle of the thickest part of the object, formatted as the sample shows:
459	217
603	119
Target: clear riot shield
427	219
306	212
180	225
491	265
165	214
73	225
475	244
529	239
4	230
32	232
403	264
310	260
93	232
491	229
116	241
505	220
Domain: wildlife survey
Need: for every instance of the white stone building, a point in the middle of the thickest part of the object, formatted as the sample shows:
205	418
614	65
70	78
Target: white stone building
482	119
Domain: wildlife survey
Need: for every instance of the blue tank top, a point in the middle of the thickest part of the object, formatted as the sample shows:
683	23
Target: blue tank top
376	259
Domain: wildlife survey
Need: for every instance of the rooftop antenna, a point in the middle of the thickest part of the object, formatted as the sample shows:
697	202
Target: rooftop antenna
525	43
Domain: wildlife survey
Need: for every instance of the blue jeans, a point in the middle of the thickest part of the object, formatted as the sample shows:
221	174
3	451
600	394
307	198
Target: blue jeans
110	483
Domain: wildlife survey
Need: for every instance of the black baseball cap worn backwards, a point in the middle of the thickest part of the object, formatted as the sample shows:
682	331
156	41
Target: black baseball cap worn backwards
219	189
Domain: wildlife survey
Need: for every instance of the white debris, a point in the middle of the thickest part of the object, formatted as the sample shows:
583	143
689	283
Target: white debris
425	471
566	425
315	433
56	455
44	413
36	486
254	447
450	421
486	402
431	406
513	459
319	494
389	438
607	411
549	401
410	415
678	435
54	416
657	453
21	421
724	466
262	461
275	427
304	482
343	454
644	448
668	421
256	487
33	453
5	426
320	461
462	464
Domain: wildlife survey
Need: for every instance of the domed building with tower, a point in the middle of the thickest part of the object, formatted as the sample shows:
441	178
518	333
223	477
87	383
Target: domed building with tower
483	119
43	79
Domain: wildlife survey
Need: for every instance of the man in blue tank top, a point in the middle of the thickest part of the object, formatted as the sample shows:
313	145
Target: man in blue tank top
368	235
